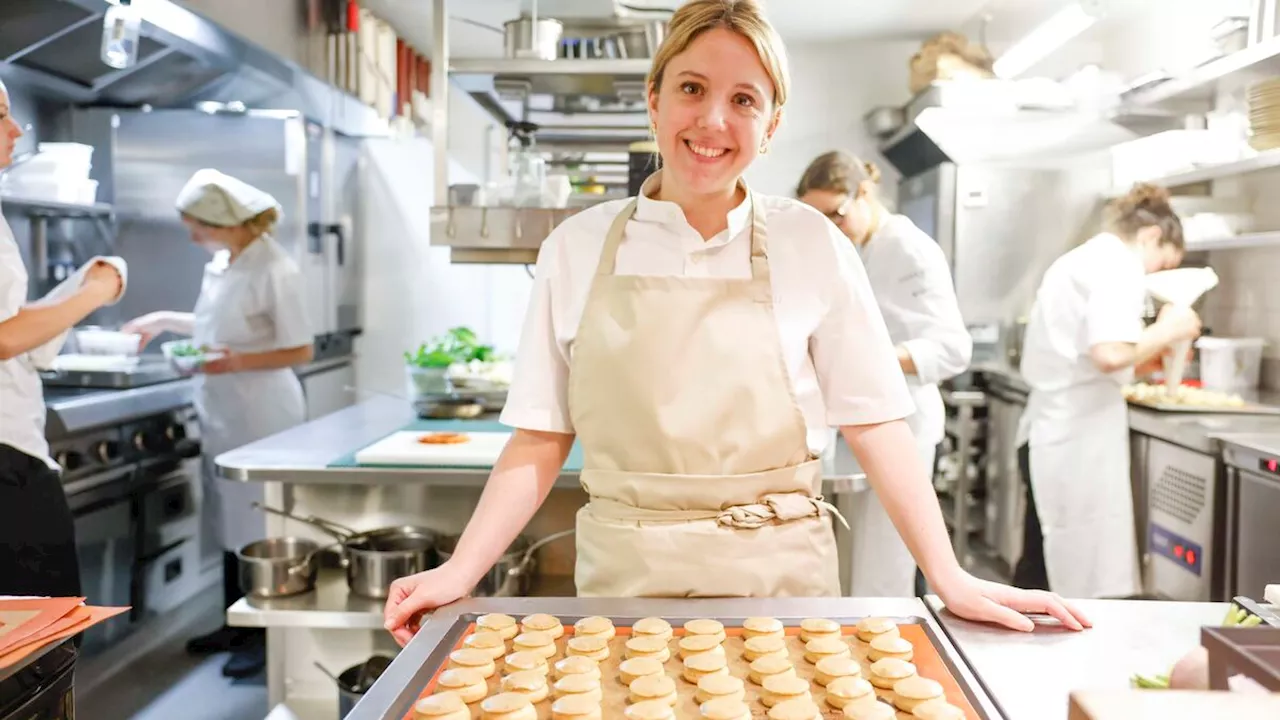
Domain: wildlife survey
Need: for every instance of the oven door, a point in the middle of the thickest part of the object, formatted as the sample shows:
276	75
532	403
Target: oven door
102	508
169	497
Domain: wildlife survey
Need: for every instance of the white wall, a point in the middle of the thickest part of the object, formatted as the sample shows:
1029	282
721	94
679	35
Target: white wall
272	24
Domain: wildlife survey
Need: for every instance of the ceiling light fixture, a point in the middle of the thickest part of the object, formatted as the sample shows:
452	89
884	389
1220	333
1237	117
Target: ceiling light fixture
1047	37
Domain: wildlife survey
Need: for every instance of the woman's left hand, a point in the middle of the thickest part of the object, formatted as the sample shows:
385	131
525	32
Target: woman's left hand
228	362
983	601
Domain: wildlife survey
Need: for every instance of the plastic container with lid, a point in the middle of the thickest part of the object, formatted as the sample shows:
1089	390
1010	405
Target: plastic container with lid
1230	364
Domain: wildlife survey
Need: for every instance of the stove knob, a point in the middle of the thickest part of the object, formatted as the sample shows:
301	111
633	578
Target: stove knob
176	432
107	451
140	442
70	460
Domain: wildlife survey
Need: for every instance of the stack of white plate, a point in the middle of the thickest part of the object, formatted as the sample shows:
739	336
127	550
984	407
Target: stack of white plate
1264	114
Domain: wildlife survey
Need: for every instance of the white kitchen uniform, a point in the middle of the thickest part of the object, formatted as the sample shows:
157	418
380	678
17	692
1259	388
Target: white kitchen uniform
1076	419
831	344
911	280
22	412
253	305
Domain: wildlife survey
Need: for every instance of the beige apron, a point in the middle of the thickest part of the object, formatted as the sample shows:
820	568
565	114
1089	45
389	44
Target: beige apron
701	480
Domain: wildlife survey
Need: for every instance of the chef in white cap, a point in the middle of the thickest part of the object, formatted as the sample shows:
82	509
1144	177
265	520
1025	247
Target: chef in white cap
251	312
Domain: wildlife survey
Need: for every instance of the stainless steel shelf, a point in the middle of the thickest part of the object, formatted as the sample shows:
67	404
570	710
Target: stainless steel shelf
526	67
51	208
1236	242
1256	163
494	234
1202	83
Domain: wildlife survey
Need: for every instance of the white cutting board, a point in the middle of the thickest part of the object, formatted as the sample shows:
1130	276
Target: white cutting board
402	448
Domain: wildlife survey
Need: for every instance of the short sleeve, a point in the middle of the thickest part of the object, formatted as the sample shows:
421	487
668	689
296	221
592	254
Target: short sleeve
1114	309
856	363
288	309
539	395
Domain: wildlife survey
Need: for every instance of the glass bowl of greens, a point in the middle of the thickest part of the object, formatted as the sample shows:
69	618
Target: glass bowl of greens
455	364
185	356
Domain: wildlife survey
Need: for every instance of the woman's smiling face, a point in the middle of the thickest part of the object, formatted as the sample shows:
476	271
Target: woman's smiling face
713	112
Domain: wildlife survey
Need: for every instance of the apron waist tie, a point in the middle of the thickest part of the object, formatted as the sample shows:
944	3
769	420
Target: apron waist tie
783	507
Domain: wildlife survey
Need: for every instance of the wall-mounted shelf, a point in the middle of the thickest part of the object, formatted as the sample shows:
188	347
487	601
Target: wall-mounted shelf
1256	163
494	234
528	67
1201	83
1236	242
54	209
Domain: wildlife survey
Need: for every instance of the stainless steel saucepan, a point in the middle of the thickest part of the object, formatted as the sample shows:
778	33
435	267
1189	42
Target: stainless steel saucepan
278	567
375	558
513	574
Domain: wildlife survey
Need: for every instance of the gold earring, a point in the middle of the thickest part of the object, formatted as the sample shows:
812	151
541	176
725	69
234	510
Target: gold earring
764	148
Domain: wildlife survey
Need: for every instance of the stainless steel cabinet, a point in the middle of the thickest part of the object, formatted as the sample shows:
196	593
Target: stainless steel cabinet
1257	551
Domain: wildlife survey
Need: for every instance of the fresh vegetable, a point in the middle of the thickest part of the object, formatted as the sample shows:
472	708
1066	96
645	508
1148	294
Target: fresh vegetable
1236	617
1149	682
459	345
186	350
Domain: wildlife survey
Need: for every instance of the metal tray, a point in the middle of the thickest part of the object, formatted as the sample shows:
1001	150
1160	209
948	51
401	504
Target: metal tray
1246	409
393	696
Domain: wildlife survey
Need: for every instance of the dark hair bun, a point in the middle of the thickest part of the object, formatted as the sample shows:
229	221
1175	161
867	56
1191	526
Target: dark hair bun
1145	196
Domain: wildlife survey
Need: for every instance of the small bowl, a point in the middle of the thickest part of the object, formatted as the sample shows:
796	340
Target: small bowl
186	364
96	341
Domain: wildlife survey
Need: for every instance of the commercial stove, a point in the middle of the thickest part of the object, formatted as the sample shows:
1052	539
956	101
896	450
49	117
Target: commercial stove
147	371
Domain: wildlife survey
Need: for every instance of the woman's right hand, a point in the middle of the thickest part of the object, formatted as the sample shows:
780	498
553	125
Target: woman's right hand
1182	322
148	326
413	596
105	280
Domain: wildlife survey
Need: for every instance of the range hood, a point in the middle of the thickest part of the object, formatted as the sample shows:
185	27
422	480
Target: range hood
183	59
1006	121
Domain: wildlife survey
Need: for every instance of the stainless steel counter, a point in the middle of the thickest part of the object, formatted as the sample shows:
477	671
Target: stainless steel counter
1202	432
1030	676
74	409
394	693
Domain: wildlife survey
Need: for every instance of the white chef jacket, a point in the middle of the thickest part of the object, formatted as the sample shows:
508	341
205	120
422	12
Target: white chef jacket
1094	294
842	365
22	412
911	280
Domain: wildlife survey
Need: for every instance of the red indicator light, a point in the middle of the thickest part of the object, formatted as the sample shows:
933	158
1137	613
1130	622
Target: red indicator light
1177	551
1273	465
1191	557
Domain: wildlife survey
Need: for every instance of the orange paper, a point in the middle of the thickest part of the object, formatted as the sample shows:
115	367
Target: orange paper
23	619
81	618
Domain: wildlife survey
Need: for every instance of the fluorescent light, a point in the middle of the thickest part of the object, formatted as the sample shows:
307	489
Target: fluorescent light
1047	37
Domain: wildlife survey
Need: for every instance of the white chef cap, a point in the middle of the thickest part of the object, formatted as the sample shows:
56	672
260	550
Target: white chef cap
218	199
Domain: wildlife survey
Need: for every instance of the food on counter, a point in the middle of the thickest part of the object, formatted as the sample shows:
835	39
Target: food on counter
724	709
595	626
530	683
705	627
654	687
579	685
635	668
758	647
650	710
719	687
526	660
487	642
913	691
648	646
576	707
504	625
445	438
887	672
543	623
1182	395
845	691
869	710
702	665
577	666
469	685
1192	671
798	709
472	659
937	710
594	647
832	668
441	706
768	666
890	646
697	644
508	706
536	642
762	626
781	688
813	628
825	647
869	629
653	627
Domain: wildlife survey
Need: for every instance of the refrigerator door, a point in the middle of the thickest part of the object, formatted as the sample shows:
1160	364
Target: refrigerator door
347	250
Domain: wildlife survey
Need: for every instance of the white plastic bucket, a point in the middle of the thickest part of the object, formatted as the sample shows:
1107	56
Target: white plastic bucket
1230	364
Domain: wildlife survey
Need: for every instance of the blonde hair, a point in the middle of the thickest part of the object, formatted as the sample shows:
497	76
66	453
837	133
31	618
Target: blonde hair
1145	205
744	17
264	223
837	172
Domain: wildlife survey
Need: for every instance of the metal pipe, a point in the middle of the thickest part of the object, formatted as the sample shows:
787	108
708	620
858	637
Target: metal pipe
440	101
40	248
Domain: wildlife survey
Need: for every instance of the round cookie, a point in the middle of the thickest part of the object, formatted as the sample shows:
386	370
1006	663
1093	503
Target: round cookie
781	688
758	647
595	647
489	642
441	706
869	710
530	683
831	668
724	709
579	685
704	626
825	647
651	646
701	665
717	687
535	641
769	666
813	628
466	683
912	692
846	691
937	710
654	687
525	660
762	627
798	709
650	710
576	707
544	623
507	706
473	659
890	646
887	672
595	626
635	668
869	629
577	666
655	626
695	644
504	625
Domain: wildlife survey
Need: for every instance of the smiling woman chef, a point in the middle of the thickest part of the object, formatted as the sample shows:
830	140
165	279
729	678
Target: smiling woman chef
699	340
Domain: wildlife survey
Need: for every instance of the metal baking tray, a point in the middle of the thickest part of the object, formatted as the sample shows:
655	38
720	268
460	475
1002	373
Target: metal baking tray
393	696
1246	409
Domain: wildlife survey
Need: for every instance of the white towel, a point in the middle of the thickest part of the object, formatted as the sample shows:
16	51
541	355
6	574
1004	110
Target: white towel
43	356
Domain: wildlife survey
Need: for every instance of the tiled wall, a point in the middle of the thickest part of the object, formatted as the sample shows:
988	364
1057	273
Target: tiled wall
1246	302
